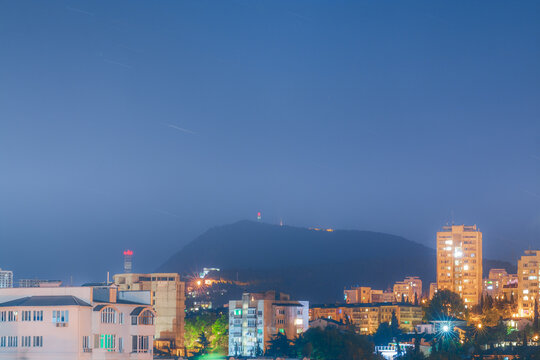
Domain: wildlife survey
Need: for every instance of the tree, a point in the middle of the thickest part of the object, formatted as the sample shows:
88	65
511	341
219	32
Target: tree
415	299
204	344
279	345
331	343
444	304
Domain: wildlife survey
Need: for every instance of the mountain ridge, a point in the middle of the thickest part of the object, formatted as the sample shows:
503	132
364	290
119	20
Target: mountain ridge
308	264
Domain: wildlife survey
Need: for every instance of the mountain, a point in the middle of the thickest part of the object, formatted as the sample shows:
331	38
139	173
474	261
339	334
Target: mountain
308	264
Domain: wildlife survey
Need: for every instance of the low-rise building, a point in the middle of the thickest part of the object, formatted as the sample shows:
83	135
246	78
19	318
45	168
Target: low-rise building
255	319
168	301
75	323
367	295
27	283
366	318
408	290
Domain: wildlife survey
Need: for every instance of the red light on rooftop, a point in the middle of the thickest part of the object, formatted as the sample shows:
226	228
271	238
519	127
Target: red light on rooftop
128	252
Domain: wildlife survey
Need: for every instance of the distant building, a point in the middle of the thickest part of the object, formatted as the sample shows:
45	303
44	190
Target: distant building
408	290
6	279
167	299
75	323
255	319
528	289
432	290
498	283
459	262
366	318
367	295
32	283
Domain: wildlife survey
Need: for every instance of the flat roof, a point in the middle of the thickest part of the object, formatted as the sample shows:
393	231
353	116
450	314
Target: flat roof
60	300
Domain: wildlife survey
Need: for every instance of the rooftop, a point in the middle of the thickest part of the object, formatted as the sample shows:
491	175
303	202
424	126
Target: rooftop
62	300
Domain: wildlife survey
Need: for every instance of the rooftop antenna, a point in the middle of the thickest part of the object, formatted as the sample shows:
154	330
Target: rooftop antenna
259	216
452	213
281	222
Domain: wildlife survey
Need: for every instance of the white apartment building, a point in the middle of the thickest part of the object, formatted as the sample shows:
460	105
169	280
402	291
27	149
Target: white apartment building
255	319
6	279
75	323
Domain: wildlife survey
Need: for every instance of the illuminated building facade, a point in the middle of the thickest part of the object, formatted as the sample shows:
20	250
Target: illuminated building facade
408	290
367	295
255	319
528	290
459	262
26	283
366	318
432	290
75	323
6	279
500	284
168	301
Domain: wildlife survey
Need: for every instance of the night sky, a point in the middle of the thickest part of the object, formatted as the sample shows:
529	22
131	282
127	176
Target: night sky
139	125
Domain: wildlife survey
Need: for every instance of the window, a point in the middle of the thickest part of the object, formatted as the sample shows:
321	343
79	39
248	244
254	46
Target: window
3	316
140	344
146	318
26	316
25	341
121	318
2	341
120	344
38	315
12	316
108	316
60	316
107	342
237	312
86	343
37	341
12	341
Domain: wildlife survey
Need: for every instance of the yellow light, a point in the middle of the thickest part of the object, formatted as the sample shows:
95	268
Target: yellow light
199	282
479	326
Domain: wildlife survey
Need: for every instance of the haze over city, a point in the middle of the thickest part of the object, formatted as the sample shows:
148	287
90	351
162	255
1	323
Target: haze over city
130	125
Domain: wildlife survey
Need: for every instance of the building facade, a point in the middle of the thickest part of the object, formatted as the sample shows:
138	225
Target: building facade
255	319
367	295
26	283
6	279
366	318
459	262
74	323
408	290
528	289
167	299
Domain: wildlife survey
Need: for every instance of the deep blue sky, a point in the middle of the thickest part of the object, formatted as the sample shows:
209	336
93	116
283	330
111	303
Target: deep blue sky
132	124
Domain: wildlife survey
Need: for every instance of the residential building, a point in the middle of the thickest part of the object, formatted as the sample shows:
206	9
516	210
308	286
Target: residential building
6	279
500	284
432	290
255	319
408	290
367	295
528	290
358	295
366	318
75	323
26	283
168	301
459	262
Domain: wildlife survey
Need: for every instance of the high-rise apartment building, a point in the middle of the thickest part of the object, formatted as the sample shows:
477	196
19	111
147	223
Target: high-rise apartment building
255	319
408	290
528	290
168	300
6	278
459	262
